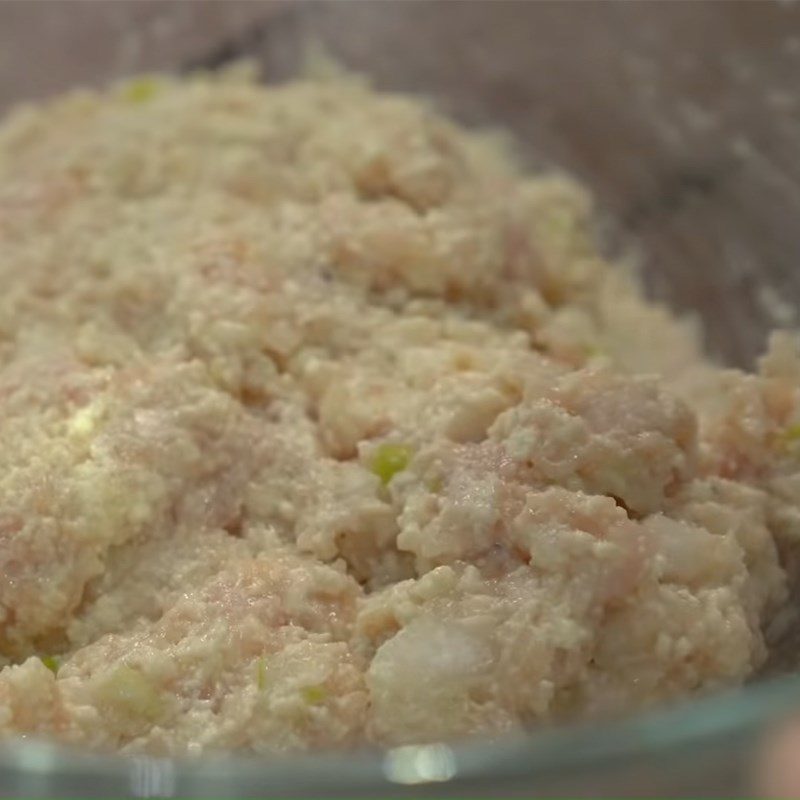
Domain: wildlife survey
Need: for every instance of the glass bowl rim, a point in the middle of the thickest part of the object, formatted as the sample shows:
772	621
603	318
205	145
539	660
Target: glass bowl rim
33	767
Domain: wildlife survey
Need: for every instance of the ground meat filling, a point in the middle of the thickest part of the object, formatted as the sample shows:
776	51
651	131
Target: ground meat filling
322	423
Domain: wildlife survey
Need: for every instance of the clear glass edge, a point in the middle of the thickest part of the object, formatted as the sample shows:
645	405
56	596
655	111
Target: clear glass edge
35	768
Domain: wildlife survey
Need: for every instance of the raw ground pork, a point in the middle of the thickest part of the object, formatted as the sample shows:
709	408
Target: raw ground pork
322	423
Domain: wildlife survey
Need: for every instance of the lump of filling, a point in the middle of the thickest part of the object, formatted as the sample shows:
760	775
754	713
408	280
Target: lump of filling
323	423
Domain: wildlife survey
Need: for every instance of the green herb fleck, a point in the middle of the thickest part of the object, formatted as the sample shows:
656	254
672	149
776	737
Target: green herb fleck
792	433
52	663
593	351
786	441
141	90
389	459
261	674
314	695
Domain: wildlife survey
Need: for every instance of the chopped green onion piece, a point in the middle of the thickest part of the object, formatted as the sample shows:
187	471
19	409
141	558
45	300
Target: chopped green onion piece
389	459
593	351
314	695
52	663
131	693
792	433
140	90
261	674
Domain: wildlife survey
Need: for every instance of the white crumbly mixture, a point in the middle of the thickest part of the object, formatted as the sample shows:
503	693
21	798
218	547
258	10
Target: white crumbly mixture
322	424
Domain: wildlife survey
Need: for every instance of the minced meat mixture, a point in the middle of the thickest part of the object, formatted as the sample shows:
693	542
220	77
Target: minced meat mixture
321	423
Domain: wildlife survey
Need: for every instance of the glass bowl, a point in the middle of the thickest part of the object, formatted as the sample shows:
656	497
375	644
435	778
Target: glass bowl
682	118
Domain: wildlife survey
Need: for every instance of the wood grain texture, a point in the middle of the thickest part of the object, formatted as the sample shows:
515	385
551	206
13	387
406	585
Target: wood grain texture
683	118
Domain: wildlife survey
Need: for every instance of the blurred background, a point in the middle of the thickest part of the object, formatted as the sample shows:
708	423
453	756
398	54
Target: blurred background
683	118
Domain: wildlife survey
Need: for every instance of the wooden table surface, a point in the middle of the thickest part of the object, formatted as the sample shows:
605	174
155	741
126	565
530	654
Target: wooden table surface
684	118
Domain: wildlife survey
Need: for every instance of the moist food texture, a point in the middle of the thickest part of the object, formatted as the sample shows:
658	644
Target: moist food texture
323	423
